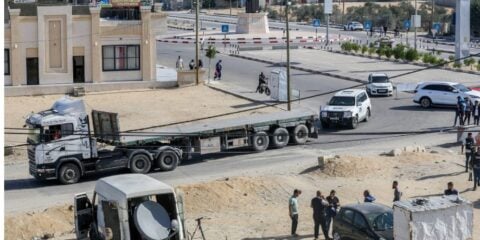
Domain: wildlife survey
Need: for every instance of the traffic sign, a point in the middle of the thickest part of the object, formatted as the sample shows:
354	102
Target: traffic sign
316	22
406	24
367	25
225	28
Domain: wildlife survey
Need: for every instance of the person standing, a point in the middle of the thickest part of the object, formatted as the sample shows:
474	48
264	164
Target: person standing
457	114
469	145
179	63
385	30
367	197
475	164
476	113
333	204
191	65
468	111
200	63
293	210
450	190
218	70
396	193
319	205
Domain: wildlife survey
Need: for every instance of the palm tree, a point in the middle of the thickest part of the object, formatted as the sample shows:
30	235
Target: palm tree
210	53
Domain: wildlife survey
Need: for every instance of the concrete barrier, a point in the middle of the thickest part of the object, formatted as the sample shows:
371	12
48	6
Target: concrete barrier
250	48
284	47
188	77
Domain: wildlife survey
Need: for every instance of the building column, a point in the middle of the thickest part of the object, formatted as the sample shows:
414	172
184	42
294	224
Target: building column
147	46
17	73
96	49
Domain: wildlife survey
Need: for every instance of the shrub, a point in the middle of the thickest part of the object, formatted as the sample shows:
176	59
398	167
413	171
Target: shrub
346	46
411	54
371	50
364	49
469	62
457	65
478	66
429	58
451	57
355	47
381	51
388	52
399	51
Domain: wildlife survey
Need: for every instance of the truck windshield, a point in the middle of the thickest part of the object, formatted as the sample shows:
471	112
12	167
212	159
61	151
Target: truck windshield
342	101
380	79
34	135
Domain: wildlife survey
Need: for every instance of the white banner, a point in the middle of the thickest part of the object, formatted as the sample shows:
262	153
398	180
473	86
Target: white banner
416	21
328	7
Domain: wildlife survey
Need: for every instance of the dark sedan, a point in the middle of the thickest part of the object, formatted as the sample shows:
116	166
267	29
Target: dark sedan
364	221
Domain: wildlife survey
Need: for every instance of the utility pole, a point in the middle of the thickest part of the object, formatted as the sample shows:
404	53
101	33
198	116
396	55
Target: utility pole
343	13
289	107
231	8
415	26
328	26
197	7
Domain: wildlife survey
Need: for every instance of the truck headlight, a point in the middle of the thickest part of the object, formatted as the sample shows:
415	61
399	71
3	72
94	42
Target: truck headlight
323	114
347	114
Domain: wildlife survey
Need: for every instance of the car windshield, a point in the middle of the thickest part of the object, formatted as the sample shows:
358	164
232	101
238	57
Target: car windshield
462	88
380	79
342	101
33	135
380	221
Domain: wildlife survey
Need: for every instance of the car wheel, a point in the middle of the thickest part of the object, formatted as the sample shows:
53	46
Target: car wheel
354	122
336	236
279	138
300	134
367	116
260	141
69	173
425	102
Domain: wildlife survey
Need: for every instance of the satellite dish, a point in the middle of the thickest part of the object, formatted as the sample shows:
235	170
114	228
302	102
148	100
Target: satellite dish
152	221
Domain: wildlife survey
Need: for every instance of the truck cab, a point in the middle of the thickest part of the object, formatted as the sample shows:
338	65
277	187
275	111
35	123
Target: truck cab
130	206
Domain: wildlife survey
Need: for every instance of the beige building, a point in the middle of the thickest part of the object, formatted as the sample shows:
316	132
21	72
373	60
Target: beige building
65	43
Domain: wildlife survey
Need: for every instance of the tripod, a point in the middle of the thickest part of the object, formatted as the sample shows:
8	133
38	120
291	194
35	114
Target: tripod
198	227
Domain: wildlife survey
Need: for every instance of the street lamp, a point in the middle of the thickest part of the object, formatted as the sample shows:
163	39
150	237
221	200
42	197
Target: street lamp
289	107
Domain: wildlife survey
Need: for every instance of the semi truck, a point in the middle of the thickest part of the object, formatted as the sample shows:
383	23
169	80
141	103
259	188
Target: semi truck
130	206
62	144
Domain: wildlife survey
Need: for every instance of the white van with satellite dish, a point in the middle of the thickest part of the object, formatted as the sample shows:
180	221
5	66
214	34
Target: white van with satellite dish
130	207
347	107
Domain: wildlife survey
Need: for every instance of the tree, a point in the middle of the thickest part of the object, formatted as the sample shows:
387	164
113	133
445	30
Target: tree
210	54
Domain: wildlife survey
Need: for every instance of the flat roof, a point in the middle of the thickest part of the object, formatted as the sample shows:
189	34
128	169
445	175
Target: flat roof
131	185
349	92
431	203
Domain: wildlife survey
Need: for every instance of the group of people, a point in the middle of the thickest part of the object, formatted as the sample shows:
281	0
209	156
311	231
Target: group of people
470	147
465	110
191	66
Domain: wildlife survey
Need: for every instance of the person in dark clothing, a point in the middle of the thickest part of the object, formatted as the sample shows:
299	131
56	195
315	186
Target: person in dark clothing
468	111
371	31
450	190
475	164
191	65
396	193
200	63
261	80
333	204
385	30
476	113
319	205
460	110
397	31
367	197
469	146
218	70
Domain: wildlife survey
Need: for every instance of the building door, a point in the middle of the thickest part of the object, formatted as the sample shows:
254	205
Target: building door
78	69
32	71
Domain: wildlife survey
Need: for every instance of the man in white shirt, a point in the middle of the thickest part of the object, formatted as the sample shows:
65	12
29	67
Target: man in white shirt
293	210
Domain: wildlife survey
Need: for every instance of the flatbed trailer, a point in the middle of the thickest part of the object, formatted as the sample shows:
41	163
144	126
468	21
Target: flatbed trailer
75	153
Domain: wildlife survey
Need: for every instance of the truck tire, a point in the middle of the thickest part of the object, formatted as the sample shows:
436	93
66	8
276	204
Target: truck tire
260	141
167	160
140	163
354	122
280	138
69	173
300	134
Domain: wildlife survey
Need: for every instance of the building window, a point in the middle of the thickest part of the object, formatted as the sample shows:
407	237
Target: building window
120	13
6	58
121	57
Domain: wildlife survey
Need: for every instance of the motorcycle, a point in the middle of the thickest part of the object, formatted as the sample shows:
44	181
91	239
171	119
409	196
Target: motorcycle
263	88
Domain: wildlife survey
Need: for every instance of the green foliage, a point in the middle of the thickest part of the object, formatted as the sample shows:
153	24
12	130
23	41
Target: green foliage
399	51
308	12
457	64
211	52
355	47
451	57
388	52
429	58
272	13
411	54
478	66
380	51
364	49
469	62
371	50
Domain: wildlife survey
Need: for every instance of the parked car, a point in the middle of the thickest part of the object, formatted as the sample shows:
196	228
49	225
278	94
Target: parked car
347	107
353	26
379	84
428	94
364	221
384	42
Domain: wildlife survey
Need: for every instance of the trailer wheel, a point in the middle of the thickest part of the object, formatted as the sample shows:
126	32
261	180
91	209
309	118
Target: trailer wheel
300	134
260	141
140	163
168	160
69	173
280	138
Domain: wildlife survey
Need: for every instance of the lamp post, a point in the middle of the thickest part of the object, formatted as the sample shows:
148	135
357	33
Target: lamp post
289	107
197	7
415	26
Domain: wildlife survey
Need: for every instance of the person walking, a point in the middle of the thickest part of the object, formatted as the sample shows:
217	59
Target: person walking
191	65
179	63
450	190
333	204
396	193
475	164
459	111
469	146
371	31
293	210
468	111
200	63
261	80
319	205
218	70
476	113
385	30
367	197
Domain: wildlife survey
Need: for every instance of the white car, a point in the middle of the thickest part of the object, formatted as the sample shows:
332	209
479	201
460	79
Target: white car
353	26
379	84
428	94
347	107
